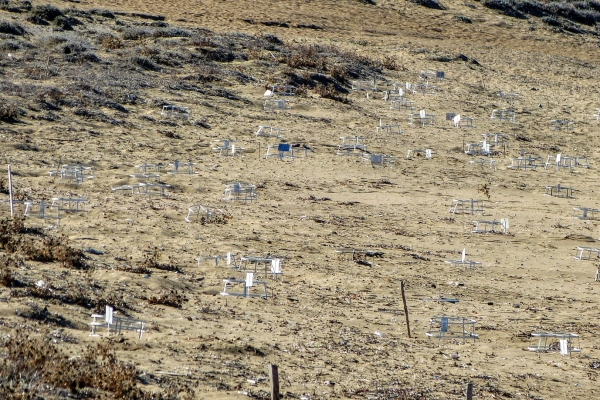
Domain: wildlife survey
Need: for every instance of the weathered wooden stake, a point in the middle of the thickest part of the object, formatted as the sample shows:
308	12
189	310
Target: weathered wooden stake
469	391
10	193
274	377
405	309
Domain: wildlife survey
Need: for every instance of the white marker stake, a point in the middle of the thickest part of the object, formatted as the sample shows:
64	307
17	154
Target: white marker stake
10	193
464	253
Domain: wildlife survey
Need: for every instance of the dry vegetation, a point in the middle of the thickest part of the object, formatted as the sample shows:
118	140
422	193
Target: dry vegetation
83	83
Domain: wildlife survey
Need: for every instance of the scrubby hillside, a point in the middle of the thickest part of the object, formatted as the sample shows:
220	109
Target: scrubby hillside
85	82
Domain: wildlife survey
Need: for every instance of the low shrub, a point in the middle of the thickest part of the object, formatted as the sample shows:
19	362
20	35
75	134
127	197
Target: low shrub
34	19
390	62
102	13
272	38
433	4
15	240
171	32
506	7
111	42
169	298
47	12
136	33
50	40
339	72
462	18
11	28
307	56
7	266
152	260
218	54
144	63
64	23
74	46
29	359
8	112
584	12
9	45
329	92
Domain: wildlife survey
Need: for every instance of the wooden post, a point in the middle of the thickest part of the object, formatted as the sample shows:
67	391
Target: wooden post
274	377
405	308
469	391
10	193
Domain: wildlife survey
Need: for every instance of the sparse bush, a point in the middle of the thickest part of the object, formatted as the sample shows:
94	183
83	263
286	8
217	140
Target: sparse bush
102	13
306	57
152	260
159	24
504	6
134	270
329	92
272	39
169	298
51	40
462	18
82	57
47	12
15	6
53	249
7	265
585	12
9	45
203	40
63	23
74	46
339	72
170	135
136	33
31	359
434	4
171	32
302	91
11	28
389	62
74	12
8	112
551	21
34	19
14	240
217	54
111	42
143	62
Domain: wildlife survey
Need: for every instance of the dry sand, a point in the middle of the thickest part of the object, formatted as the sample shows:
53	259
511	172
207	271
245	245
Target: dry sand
319	324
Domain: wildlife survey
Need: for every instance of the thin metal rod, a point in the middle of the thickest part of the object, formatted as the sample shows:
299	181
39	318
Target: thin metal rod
405	309
10	193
